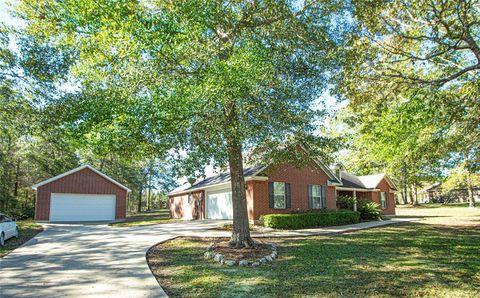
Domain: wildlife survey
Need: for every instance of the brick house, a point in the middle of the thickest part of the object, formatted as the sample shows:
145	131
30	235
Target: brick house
280	189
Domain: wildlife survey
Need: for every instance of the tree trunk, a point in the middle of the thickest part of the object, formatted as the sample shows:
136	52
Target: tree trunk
139	207
404	194
241	231
415	192
17	182
149	196
411	195
471	198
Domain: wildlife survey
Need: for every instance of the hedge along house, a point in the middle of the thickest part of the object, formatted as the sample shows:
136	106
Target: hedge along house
279	189
80	195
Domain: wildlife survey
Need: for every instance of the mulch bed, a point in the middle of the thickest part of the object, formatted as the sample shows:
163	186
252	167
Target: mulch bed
237	254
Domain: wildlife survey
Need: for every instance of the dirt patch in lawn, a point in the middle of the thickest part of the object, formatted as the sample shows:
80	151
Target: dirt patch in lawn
250	254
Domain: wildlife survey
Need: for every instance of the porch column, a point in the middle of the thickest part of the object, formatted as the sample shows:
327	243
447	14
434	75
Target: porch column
355	204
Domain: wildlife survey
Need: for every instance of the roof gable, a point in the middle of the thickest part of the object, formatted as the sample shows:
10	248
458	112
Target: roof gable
35	186
372	181
366	181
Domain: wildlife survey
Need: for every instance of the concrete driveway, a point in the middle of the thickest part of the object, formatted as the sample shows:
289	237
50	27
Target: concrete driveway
89	261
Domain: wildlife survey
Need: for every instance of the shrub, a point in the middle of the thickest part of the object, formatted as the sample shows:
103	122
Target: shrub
21	213
346	202
310	220
369	210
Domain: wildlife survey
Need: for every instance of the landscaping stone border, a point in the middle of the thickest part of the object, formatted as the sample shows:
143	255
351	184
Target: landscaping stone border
210	254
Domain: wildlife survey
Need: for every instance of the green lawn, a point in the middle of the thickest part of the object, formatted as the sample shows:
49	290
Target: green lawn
28	229
441	205
407	260
146	218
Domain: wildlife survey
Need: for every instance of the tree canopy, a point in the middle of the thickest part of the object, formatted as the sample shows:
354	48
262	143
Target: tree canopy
411	76
203	81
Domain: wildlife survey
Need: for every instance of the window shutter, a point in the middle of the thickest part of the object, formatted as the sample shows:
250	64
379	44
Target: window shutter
310	203
270	195
387	202
324	196
288	196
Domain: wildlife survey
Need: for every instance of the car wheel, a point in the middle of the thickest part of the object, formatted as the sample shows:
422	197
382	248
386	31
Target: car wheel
2	239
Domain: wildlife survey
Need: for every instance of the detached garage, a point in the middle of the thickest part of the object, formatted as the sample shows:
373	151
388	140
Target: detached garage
80	195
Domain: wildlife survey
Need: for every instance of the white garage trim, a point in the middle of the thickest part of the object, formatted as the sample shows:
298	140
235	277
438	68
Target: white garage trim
66	207
218	204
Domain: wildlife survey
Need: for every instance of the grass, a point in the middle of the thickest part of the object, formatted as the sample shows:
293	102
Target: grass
229	226
28	229
146	218
440	205
420	259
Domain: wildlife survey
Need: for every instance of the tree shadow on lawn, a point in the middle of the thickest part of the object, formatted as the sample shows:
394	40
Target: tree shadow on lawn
404	260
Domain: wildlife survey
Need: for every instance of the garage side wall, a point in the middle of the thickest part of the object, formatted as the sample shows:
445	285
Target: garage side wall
195	208
84	181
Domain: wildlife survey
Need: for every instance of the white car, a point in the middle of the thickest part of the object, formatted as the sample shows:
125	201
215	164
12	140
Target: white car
8	228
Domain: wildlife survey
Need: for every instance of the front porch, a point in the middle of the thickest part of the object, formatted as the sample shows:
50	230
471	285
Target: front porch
356	193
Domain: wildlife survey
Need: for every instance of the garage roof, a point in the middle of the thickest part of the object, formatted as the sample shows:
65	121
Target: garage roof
79	169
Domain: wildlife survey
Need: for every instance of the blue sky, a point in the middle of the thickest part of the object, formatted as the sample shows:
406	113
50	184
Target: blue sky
4	13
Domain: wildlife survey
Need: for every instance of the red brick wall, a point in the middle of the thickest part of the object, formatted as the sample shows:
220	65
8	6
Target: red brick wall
249	193
175	204
84	181
299	179
383	186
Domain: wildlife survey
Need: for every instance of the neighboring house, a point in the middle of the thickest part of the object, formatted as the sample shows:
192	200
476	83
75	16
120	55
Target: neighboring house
82	194
279	189
434	194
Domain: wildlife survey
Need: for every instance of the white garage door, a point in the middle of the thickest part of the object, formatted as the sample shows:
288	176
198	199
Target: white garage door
82	207
219	204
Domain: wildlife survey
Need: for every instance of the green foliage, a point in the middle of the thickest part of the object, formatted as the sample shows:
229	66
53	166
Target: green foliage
309	220
411	78
346	202
369	211
460	178
192	76
36	142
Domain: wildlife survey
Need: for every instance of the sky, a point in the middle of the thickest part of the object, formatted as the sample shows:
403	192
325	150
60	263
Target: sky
5	15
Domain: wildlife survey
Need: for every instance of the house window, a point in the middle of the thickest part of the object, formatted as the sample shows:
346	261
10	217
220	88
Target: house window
316	196
279	195
383	200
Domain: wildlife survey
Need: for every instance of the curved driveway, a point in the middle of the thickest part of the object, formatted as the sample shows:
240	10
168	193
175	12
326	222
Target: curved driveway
89	261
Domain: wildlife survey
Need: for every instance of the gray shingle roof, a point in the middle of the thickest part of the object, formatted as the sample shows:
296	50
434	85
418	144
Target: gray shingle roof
351	181
217	179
